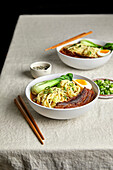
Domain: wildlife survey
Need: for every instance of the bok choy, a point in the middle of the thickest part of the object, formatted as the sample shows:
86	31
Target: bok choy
38	87
91	44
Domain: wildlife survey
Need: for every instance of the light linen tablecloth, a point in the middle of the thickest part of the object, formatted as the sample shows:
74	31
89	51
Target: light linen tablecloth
82	143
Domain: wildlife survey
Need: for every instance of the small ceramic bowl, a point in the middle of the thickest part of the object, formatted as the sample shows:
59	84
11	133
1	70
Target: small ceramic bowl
40	68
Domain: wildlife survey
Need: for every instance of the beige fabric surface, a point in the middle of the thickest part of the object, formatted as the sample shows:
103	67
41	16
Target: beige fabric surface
82	143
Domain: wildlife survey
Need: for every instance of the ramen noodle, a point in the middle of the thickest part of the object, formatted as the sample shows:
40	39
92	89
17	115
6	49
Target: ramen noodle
80	50
49	97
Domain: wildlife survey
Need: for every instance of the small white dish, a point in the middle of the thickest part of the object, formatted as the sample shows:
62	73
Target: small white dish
61	113
83	63
40	68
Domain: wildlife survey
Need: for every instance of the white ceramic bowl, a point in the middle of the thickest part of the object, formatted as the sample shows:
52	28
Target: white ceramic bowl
82	63
60	113
37	73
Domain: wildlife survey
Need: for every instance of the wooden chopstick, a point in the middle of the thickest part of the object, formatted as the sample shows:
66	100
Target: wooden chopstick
69	40
28	120
30	116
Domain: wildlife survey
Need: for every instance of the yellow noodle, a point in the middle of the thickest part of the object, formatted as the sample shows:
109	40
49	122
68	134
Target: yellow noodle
67	90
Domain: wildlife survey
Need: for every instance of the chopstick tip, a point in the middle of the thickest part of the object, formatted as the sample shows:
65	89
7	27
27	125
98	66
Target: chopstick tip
90	32
15	100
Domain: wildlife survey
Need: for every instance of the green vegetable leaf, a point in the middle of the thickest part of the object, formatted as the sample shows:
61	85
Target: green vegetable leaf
38	87
89	43
108	46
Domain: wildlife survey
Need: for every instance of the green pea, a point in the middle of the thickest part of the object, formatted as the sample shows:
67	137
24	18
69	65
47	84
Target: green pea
111	91
107	81
101	87
107	87
106	92
111	85
99	82
104	84
102	92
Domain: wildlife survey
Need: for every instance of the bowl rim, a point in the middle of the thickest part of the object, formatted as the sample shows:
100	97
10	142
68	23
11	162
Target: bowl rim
31	67
83	59
55	109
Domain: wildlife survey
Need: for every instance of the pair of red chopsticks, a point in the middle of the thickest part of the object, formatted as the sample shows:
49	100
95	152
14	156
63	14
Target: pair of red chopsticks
28	117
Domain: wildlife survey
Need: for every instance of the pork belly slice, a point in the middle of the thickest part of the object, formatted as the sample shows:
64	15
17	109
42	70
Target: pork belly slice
84	97
68	52
90	97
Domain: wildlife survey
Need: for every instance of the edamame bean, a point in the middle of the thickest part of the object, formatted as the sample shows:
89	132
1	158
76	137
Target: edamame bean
105	86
